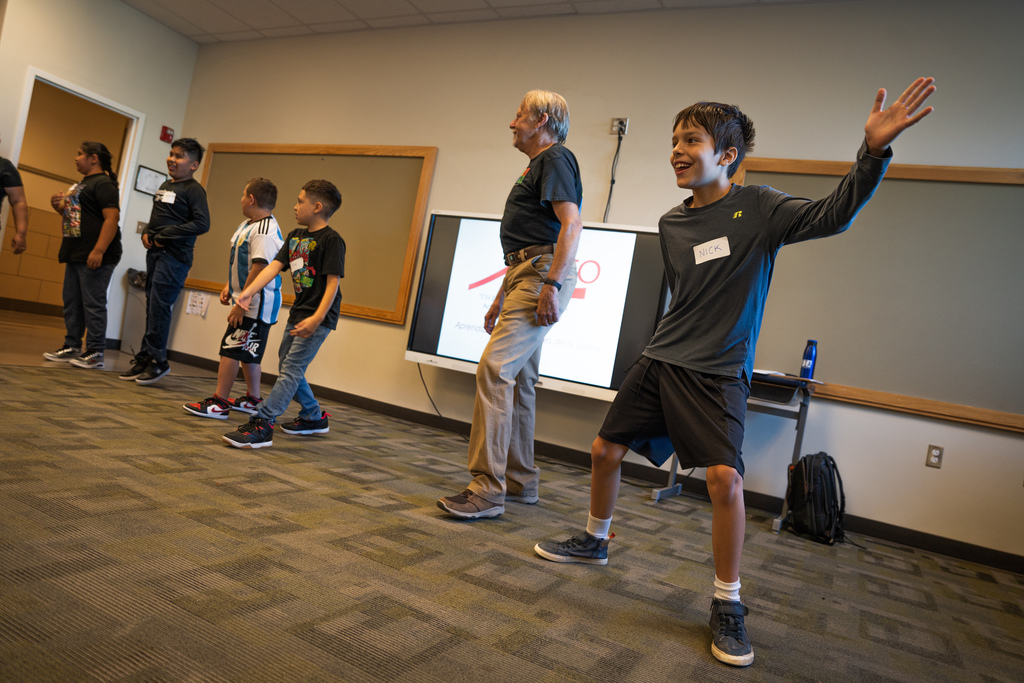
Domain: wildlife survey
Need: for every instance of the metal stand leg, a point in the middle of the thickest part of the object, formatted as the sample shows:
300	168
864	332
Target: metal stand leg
673	489
801	421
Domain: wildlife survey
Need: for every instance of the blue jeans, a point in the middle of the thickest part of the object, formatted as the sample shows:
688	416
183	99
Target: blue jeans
85	305
295	354
165	277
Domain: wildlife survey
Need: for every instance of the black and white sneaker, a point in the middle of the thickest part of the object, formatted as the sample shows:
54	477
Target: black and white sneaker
245	404
256	433
89	360
154	371
139	365
63	354
582	548
729	641
300	426
214	407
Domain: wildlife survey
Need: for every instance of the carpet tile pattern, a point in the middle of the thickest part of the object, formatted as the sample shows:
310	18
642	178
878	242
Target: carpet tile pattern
136	546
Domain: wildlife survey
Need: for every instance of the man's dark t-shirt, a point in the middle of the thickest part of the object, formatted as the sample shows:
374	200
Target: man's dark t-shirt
529	219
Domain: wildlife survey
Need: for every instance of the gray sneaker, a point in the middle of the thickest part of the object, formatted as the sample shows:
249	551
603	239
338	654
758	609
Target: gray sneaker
520	498
729	641
582	548
468	505
63	354
89	360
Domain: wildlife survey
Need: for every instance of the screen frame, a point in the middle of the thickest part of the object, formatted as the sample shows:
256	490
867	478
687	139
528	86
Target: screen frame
545	381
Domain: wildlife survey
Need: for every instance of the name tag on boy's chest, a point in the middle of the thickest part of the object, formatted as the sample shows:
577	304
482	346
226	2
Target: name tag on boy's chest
166	196
296	264
709	251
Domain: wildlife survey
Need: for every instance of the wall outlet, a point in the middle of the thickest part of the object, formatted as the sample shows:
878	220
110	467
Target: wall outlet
934	456
619	126
140	227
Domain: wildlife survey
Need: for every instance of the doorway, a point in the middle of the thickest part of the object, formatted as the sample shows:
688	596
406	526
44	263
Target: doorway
58	121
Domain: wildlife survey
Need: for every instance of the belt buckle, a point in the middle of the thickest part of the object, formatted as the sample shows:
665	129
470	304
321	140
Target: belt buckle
513	257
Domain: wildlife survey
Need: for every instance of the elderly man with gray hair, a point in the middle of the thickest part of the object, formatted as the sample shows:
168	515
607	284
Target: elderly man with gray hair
539	233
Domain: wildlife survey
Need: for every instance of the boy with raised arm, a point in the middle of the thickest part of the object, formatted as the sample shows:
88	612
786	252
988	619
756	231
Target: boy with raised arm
689	391
315	256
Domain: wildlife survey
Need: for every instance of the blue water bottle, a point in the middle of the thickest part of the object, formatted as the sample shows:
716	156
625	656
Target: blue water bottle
810	353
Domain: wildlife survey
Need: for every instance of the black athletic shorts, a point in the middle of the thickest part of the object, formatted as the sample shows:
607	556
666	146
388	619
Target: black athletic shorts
247	342
661	408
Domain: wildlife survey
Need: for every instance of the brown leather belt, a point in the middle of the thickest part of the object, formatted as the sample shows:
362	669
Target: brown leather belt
514	257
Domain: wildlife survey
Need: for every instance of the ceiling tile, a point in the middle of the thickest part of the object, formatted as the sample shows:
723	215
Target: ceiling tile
462	17
428	6
340	27
315	11
286	32
610	6
536	11
399	22
379	9
257	14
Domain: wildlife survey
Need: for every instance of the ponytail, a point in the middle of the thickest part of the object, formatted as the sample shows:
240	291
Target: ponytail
103	154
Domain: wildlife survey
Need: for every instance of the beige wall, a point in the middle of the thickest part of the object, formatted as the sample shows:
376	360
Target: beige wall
114	52
807	75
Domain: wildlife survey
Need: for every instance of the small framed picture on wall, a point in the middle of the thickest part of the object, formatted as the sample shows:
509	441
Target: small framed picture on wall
148	180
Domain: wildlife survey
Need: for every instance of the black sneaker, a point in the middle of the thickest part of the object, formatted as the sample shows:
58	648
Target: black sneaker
729	641
63	354
300	426
256	433
89	360
582	548
245	404
214	407
154	371
139	365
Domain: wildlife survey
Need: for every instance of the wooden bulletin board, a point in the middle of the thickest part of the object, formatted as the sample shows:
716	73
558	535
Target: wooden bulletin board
919	306
384	194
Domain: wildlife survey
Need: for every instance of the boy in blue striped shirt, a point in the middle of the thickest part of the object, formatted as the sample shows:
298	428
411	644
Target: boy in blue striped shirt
254	244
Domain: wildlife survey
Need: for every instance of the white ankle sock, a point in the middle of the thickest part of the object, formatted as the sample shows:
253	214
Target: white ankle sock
727	591
598	528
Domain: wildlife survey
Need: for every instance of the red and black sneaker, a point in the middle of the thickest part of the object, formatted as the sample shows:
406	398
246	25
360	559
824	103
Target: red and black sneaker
300	426
256	433
214	407
245	404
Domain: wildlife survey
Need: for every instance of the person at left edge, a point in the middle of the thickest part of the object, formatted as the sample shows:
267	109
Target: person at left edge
180	214
12	186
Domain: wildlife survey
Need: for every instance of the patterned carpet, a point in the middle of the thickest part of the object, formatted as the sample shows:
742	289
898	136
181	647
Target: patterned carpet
135	546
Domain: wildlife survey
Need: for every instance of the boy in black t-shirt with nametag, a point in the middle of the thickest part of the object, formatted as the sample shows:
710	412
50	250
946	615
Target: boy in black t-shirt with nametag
315	256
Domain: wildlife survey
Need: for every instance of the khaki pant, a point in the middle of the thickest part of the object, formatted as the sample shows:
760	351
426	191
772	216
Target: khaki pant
501	439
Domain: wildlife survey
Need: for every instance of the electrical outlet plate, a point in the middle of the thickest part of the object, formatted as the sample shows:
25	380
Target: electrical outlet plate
934	456
140	227
619	125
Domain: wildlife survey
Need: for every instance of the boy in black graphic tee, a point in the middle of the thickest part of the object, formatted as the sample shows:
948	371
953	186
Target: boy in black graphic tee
315	256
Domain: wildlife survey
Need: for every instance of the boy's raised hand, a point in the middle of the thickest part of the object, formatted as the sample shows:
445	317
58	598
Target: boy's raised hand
884	126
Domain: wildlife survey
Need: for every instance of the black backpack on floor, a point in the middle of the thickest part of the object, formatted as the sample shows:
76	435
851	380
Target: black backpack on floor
816	500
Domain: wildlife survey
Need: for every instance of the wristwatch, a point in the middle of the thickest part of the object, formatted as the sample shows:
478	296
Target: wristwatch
554	283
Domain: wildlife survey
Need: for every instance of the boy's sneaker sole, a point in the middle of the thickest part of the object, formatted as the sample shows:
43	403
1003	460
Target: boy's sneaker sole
207	408
582	548
88	365
247	444
156	375
291	429
62	355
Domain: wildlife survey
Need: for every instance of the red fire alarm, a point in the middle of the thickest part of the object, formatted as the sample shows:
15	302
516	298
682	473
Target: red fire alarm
166	134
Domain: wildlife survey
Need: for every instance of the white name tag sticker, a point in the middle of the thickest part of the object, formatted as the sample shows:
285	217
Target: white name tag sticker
167	196
296	264
709	251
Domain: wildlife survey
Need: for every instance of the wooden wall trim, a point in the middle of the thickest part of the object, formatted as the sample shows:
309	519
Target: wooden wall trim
981	417
952	174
